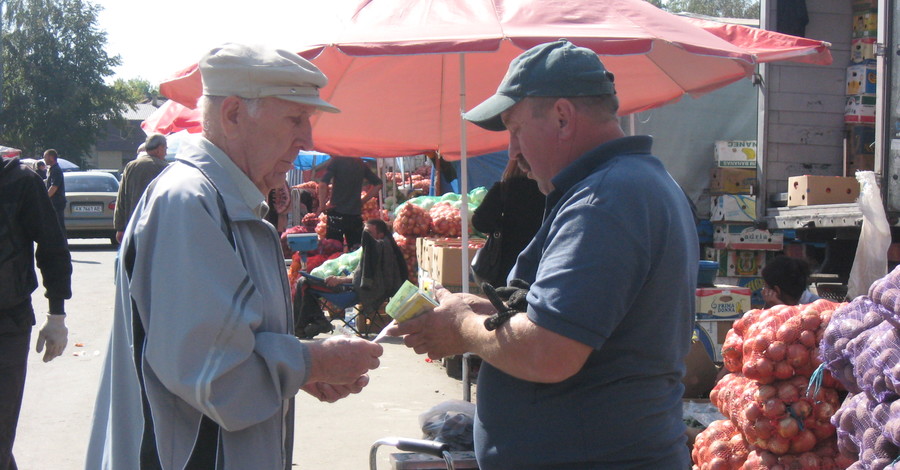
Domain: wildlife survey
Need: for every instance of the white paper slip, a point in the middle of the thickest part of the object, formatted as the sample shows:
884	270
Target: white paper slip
383	333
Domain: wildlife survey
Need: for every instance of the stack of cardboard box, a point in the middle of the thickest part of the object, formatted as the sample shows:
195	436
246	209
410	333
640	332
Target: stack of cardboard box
440	261
862	78
738	244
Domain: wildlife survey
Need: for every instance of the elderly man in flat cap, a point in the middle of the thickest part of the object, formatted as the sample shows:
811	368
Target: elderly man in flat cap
585	370
203	365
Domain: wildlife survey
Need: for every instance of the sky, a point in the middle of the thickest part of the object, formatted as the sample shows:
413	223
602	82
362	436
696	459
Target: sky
157	39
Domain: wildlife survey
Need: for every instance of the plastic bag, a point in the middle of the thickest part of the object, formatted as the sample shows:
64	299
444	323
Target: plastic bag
870	263
450	422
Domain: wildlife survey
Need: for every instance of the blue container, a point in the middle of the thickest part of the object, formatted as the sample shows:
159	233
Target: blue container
303	242
706	277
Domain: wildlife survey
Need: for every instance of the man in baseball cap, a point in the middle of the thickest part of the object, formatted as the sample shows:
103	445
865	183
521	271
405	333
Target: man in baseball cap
587	373
203	363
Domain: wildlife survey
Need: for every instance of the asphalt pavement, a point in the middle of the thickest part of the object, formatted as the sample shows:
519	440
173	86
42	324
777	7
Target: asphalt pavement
59	395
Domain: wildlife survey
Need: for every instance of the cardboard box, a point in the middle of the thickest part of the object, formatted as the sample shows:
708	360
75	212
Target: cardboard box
732	208
712	334
741	263
721	302
423	252
735	153
446	260
862	49
463	460
859	109
756	285
860	148
746	237
732	180
865	24
809	190
863	6
861	79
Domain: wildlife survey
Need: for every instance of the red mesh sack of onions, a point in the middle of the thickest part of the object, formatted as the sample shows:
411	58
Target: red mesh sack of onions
848	332
719	447
782	417
446	220
412	221
407	246
784	342
863	432
733	347
824	457
322	226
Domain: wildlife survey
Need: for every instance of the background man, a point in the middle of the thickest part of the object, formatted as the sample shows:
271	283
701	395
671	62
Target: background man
56	187
343	205
27	217
138	174
204	304
588	376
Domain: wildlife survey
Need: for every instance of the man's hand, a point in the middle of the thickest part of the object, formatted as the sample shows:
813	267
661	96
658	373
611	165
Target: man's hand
331	393
439	333
55	334
342	360
119	235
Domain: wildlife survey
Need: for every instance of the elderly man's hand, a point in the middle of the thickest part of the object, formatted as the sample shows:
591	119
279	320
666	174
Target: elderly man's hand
342	360
331	393
439	333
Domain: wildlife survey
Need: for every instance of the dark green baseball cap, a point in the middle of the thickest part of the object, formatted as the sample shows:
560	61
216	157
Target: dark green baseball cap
553	69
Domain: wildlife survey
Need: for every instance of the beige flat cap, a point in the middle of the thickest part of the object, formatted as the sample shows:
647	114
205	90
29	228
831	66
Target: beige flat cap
259	72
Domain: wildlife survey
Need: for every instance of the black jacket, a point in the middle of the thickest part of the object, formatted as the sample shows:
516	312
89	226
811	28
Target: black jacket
27	217
517	220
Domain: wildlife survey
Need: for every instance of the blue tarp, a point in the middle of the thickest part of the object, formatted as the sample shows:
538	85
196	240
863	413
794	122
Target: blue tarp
484	170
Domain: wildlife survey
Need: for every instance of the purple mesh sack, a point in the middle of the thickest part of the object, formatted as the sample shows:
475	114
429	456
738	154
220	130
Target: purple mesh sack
877	366
886	292
845	337
859	422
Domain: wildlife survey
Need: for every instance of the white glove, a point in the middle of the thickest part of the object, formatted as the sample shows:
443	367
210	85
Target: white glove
55	334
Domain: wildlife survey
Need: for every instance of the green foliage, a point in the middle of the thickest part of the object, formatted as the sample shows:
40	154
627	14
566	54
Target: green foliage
716	8
53	89
138	90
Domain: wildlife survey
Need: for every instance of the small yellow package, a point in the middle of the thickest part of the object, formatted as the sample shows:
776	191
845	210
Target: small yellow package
409	302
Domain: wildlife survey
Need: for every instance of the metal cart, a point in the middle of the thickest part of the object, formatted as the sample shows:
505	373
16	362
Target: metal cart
437	449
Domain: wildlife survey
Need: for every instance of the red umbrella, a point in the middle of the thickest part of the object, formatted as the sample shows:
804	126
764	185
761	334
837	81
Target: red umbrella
395	70
172	117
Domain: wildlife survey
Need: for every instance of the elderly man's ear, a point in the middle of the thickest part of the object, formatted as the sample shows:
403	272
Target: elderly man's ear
564	111
231	113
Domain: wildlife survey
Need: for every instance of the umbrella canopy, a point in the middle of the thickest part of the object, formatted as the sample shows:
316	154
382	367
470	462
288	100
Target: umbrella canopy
395	68
9	151
172	117
66	165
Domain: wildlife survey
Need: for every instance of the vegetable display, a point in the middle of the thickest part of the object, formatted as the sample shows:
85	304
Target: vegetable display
861	348
719	447
777	399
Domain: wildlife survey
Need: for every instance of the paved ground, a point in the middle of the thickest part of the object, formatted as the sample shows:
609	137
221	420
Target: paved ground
59	396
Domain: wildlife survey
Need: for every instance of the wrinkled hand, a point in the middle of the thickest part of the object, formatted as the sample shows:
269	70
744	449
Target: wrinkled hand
55	334
342	360
330	393
439	332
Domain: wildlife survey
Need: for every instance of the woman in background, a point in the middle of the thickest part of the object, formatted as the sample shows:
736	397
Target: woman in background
514	206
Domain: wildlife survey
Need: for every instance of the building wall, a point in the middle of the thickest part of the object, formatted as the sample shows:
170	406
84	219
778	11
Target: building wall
804	111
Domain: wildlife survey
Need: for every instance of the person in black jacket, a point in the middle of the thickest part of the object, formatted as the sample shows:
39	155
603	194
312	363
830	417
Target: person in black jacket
517	216
27	217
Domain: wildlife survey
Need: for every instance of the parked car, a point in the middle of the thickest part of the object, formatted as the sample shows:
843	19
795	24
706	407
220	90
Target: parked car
91	204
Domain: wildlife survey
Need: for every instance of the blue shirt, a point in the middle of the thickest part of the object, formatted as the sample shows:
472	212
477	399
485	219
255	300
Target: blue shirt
614	266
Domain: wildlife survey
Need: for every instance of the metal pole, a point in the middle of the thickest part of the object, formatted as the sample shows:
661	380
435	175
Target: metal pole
464	181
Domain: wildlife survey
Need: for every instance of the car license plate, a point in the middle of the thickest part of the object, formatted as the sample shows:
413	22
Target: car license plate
87	208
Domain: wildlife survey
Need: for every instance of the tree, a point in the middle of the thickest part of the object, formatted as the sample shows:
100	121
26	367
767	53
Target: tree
716	8
54	93
138	90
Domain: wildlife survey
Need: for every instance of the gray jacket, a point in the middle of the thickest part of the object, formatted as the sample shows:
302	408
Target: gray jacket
218	327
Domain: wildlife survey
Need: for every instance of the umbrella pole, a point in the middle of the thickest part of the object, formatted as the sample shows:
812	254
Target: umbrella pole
464	182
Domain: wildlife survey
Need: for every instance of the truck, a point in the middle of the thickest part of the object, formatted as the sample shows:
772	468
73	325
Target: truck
803	128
